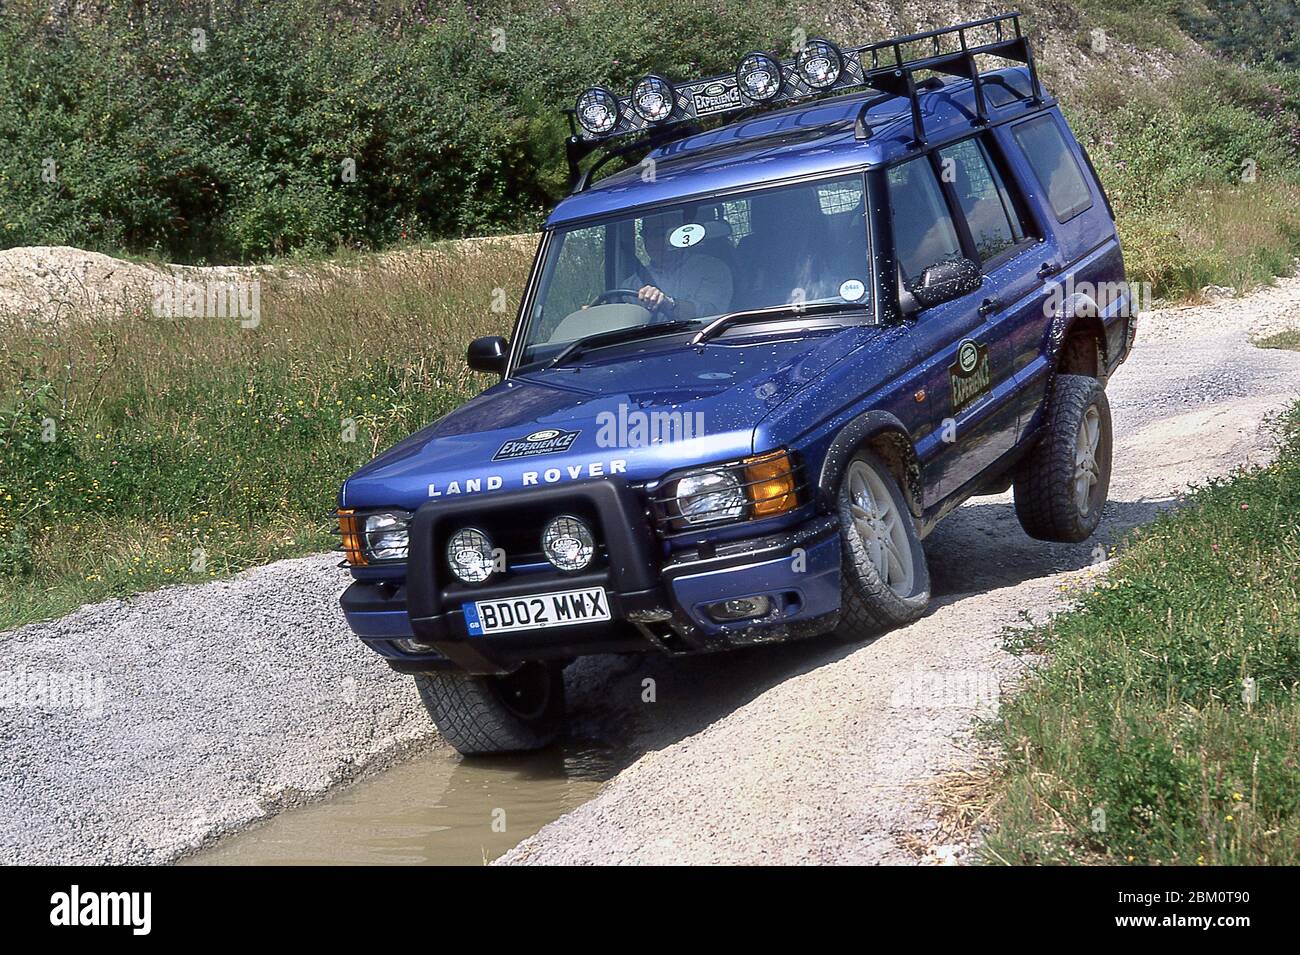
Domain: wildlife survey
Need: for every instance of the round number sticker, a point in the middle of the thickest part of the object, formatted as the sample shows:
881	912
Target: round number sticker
685	236
852	290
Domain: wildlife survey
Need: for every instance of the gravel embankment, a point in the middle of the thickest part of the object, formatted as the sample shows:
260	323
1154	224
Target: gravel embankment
222	702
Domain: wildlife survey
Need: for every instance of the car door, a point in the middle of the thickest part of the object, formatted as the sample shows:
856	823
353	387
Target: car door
1074	220
964	352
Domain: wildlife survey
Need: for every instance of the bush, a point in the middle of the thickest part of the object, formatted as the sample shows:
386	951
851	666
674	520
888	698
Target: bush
236	150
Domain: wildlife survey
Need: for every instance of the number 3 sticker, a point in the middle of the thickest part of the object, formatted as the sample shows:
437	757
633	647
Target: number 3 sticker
685	236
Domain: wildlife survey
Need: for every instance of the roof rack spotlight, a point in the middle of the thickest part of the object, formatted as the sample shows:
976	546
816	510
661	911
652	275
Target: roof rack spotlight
759	77
658	112
597	110
820	63
653	98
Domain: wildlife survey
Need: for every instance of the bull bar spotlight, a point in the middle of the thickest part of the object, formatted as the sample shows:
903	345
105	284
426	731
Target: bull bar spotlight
567	543
470	555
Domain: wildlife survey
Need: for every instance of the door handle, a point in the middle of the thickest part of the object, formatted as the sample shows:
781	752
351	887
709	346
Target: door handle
1047	269
989	306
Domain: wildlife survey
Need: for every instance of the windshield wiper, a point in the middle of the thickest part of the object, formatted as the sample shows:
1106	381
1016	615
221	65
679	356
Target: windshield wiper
617	337
752	316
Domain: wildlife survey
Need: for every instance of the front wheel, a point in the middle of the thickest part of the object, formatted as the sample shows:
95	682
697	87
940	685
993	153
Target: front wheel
884	579
1061	488
522	710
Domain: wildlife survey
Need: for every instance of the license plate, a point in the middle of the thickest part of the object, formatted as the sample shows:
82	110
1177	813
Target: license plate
563	608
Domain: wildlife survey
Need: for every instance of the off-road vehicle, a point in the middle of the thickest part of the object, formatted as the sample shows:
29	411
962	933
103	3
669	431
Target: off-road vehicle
827	299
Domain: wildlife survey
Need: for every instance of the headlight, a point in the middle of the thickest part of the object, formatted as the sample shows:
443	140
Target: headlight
469	554
709	496
653	98
759	77
377	536
820	64
567	543
761	486
597	110
385	535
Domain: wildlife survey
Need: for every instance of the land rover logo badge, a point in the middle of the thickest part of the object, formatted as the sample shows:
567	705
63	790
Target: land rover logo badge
545	441
968	356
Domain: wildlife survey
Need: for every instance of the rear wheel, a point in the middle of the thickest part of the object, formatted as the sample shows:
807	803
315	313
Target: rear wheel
522	710
884	579
1061	488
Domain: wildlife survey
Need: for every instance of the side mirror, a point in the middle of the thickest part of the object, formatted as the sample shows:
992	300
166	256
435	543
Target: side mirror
939	283
489	354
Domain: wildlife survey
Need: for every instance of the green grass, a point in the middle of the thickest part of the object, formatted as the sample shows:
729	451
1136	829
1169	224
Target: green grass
192	448
1201	170
1164	725
1289	340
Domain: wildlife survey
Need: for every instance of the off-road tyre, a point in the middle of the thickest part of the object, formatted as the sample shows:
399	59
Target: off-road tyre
495	714
869	605
1049	502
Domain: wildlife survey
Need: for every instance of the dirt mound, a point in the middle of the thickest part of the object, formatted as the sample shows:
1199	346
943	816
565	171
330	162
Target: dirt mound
51	284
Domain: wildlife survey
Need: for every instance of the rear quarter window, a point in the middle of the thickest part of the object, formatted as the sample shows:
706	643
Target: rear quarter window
1054	166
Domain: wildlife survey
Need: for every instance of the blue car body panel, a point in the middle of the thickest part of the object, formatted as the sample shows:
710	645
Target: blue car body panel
806	386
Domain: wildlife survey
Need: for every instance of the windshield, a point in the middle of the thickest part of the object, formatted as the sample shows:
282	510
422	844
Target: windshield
696	260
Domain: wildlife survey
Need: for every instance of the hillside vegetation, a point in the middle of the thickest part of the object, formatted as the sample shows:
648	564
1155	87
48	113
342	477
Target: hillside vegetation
218	131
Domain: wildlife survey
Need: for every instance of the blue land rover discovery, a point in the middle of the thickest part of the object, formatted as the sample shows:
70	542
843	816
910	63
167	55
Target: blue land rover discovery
824	301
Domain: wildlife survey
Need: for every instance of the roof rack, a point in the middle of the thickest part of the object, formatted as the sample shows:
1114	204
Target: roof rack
883	66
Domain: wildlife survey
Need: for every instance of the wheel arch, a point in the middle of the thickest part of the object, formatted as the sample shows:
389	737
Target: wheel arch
1077	339
885	435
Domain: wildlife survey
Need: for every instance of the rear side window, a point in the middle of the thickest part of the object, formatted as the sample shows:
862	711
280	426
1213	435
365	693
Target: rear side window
923	229
982	198
1054	165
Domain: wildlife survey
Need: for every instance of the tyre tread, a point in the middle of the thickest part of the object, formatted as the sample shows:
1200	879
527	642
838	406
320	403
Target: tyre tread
471	719
1044	497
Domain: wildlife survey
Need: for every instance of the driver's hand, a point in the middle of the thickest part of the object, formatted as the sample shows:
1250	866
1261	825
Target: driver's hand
652	298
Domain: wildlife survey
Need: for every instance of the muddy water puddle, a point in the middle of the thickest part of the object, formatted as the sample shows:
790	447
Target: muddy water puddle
438	809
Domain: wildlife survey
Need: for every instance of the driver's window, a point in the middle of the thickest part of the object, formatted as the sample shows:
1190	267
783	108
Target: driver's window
923	230
578	276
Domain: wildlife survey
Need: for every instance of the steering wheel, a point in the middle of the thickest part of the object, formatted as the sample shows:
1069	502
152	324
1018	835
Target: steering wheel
628	295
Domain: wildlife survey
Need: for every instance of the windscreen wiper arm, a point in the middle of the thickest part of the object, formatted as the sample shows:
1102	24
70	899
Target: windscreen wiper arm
754	315
618	336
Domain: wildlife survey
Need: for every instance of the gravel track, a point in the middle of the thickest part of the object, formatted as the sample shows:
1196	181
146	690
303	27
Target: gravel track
229	701
829	755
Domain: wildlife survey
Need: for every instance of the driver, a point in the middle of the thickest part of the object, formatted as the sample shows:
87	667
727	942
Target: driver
678	281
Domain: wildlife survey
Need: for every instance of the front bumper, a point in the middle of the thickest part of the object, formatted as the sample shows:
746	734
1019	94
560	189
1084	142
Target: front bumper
656	602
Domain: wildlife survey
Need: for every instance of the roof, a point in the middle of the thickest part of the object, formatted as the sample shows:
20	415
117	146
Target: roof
807	139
